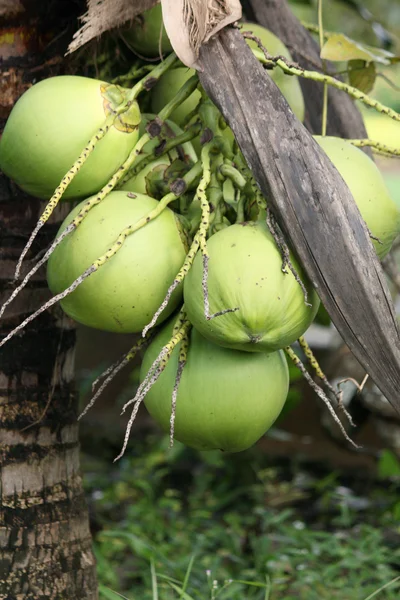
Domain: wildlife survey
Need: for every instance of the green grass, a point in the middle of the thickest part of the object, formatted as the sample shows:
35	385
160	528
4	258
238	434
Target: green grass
177	524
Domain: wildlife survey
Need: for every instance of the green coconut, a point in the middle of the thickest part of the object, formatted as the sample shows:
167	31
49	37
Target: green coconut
226	399
122	295
369	190
167	88
147	35
52	123
245	272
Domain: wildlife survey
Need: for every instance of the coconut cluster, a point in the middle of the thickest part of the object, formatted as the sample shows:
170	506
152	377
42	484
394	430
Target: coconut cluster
169	231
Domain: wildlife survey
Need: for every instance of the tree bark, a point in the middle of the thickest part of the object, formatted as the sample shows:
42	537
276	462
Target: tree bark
45	542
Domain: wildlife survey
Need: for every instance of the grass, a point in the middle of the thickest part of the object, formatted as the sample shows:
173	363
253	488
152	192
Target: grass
178	524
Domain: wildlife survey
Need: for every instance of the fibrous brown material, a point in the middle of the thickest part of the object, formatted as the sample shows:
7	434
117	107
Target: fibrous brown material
103	15
190	23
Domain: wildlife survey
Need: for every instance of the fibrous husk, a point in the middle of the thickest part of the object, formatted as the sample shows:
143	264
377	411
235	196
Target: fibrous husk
190	23
103	15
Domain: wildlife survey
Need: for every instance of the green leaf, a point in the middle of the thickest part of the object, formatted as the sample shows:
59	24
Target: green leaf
388	465
187	575
105	592
180	591
340	48
362	75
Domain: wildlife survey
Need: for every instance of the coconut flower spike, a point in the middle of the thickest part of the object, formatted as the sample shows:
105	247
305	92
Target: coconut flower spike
291	68
320	393
154	373
284	249
183	352
112	371
318	371
66	180
201	195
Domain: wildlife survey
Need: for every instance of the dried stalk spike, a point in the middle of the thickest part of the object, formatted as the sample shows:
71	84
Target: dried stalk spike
190	23
320	393
110	373
315	365
183	352
201	195
284	249
66	180
181	329
178	280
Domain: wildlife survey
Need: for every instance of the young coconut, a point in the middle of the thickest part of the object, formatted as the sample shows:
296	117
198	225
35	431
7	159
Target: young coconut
245	272
167	87
288	85
226	399
51	124
186	153
123	294
147	35
368	187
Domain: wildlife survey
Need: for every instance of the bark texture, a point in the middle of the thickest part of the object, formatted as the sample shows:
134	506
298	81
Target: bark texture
312	203
45	542
344	120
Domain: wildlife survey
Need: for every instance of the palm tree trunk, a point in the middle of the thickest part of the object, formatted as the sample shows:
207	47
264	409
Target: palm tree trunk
45	542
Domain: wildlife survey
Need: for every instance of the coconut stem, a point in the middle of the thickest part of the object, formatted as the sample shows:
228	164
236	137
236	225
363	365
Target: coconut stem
164	147
388	151
145	84
181	329
234	175
320	393
291	68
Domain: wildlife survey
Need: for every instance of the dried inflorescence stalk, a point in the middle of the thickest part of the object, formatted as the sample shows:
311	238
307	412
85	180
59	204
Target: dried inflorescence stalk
190	23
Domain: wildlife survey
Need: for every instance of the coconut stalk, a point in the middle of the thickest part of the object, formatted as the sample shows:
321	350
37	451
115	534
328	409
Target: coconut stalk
344	119
312	204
